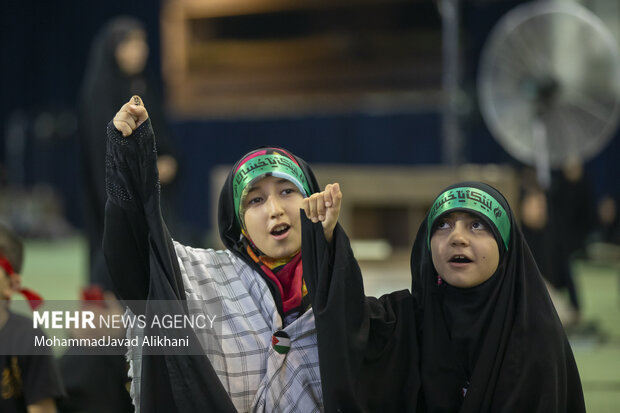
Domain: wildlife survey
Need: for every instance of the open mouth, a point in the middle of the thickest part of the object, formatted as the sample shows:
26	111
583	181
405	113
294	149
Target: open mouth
280	229
460	259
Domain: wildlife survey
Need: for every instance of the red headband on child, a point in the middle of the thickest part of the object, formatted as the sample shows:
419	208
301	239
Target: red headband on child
34	299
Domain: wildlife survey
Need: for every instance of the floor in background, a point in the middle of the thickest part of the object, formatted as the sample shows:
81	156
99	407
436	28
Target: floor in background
57	268
599	360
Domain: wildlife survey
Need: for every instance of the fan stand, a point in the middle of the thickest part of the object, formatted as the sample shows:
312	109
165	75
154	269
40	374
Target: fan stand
541	156
542	93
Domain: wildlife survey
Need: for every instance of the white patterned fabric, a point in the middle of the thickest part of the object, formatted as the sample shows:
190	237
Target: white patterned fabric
257	378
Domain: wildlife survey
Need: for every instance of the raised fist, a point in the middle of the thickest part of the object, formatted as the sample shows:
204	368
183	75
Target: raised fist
324	207
131	115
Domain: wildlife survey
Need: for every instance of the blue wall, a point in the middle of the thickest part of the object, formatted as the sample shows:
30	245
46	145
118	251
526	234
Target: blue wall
44	49
356	139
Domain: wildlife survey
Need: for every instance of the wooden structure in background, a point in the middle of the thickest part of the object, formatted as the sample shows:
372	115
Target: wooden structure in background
266	57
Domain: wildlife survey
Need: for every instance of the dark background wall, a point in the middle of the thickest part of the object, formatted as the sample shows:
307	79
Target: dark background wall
44	50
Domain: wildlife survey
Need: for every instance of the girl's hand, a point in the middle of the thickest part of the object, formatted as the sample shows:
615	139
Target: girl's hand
131	115
324	207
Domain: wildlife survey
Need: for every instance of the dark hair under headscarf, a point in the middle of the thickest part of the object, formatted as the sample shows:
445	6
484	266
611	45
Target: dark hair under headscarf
500	342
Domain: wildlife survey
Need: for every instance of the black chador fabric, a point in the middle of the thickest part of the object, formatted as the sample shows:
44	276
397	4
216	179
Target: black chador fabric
496	347
144	266
105	88
367	346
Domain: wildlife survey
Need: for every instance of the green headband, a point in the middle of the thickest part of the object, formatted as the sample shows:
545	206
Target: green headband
274	164
473	199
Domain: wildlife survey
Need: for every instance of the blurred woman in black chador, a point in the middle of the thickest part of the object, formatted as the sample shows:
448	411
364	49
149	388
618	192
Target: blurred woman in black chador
116	68
572	216
607	229
478	333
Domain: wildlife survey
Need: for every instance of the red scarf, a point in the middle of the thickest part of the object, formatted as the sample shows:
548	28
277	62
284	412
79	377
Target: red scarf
288	279
34	299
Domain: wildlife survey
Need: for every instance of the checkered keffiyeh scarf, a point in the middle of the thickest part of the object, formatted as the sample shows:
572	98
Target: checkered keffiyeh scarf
257	378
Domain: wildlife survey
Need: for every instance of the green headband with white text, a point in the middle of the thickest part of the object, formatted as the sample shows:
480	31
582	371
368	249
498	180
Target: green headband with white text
266	163
475	200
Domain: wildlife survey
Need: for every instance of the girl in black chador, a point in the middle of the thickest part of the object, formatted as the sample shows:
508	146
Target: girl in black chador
261	354
478	333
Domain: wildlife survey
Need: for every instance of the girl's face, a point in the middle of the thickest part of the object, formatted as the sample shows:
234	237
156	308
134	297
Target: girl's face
132	52
272	216
464	250
6	286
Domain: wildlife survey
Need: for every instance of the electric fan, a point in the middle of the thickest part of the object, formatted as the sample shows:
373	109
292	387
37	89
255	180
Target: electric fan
549	84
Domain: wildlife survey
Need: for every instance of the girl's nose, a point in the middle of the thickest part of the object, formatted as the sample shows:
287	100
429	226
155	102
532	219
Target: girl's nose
275	207
458	235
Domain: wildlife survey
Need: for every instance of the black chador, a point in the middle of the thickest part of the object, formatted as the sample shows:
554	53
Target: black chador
495	347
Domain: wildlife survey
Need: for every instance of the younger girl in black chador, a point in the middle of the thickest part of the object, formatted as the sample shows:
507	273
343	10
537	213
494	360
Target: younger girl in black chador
491	340
488	337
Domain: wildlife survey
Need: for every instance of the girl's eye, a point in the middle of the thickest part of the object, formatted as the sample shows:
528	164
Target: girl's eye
254	200
288	191
443	225
478	225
